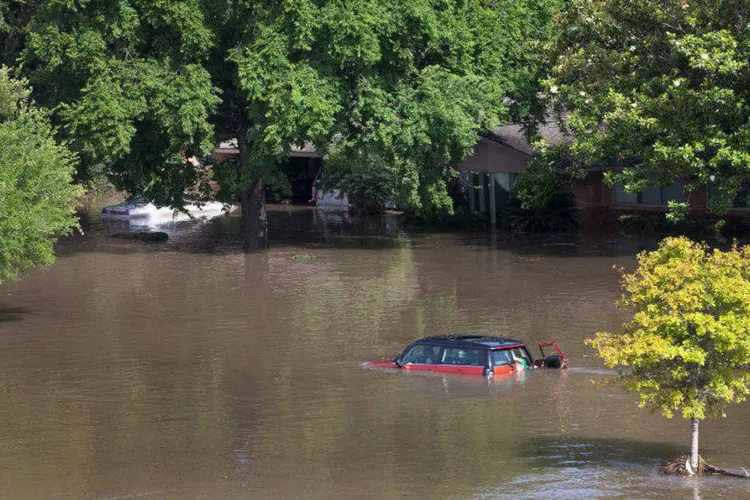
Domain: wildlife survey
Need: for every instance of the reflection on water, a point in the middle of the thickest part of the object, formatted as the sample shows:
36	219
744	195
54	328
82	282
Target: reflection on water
188	369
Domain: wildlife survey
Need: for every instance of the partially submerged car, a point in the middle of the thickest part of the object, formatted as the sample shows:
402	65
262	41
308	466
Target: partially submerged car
472	355
138	209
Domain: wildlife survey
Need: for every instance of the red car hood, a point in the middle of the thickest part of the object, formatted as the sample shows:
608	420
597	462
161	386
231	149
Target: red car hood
383	363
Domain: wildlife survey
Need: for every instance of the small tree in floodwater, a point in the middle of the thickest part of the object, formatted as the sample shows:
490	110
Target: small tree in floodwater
687	348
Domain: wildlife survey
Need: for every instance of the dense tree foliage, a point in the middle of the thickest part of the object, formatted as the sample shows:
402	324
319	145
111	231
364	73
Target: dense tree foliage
662	83
14	17
687	348
404	87
37	196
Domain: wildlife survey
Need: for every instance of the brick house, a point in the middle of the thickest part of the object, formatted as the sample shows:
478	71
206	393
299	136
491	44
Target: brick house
490	176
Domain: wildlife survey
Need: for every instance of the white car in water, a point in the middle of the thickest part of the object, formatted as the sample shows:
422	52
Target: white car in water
138	210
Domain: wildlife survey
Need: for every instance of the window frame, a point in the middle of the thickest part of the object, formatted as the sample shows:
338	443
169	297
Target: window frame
510	357
639	196
524	348
482	358
745	188
407	351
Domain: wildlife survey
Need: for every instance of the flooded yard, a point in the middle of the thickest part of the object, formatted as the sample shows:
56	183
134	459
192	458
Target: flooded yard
190	370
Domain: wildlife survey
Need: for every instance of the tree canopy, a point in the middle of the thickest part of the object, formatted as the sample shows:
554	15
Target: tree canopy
14	18
402	87
687	348
663	85
37	195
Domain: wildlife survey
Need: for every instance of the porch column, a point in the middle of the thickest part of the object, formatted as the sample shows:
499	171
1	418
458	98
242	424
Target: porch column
493	202
472	193
482	186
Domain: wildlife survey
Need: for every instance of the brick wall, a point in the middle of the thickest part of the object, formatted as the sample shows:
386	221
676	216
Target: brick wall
591	193
698	200
595	199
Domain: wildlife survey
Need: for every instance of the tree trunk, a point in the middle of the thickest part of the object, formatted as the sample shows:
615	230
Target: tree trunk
254	219
252	200
694	459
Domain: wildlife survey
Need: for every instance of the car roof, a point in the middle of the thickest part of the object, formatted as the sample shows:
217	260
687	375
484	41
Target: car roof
476	340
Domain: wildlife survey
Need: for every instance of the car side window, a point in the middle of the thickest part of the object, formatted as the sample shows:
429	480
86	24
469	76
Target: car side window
500	358
520	354
462	356
422	354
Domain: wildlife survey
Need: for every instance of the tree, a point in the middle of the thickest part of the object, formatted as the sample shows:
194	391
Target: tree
407	84
663	85
37	197
14	16
687	348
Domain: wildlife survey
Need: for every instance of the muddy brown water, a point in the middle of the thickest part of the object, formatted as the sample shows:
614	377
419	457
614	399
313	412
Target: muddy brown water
190	370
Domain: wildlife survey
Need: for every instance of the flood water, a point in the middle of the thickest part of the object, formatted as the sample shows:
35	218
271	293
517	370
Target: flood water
190	370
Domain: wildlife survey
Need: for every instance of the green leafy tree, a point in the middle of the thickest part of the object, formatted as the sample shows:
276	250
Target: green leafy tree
540	201
37	197
664	84
687	348
406	84
14	16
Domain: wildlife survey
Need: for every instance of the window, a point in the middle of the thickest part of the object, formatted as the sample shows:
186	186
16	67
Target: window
463	357
503	183
520	354
422	354
740	201
652	195
500	358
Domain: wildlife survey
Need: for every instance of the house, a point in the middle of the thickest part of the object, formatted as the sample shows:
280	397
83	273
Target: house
490	173
302	167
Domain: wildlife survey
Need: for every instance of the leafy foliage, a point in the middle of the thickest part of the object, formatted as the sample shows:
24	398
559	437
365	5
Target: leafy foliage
559	214
710	226
14	16
405	85
687	348
129	83
37	196
662	83
539	203
369	181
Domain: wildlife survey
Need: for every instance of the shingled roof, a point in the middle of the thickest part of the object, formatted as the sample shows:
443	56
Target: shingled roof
513	136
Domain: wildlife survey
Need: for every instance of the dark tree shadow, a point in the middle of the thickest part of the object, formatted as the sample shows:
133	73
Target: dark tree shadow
566	451
8	314
297	227
303	227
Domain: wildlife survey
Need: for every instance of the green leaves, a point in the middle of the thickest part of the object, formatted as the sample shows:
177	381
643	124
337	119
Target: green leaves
121	97
36	192
664	83
687	348
123	76
405	87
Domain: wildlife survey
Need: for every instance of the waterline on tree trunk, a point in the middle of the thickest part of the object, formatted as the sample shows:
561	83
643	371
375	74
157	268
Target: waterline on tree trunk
254	218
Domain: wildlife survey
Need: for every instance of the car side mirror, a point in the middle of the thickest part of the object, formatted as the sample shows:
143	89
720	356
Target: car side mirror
399	362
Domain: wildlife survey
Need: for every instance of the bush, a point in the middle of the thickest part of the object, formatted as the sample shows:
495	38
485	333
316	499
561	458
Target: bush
37	193
539	203
558	215
700	227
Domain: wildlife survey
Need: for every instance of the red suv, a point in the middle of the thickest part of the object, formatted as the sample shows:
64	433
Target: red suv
472	355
